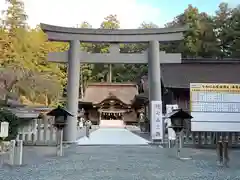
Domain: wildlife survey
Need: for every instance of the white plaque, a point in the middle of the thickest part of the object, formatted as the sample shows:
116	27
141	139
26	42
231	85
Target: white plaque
4	129
171	107
156	120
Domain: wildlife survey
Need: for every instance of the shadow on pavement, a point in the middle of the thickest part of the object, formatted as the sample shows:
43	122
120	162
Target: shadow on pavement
138	132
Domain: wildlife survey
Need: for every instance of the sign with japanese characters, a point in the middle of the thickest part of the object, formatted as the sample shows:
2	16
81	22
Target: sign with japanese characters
215	107
156	120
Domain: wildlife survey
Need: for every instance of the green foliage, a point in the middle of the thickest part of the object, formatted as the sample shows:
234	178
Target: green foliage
110	22
208	36
14	123
235	31
26	72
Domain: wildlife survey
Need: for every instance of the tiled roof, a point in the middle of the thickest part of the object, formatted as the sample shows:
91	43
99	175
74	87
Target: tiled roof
181	75
98	92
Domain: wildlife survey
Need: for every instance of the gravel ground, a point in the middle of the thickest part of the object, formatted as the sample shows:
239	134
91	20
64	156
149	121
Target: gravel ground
120	163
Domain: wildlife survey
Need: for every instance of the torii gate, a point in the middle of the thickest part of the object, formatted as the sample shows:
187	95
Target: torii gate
75	56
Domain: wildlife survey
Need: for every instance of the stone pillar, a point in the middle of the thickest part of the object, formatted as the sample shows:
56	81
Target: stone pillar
154	76
70	131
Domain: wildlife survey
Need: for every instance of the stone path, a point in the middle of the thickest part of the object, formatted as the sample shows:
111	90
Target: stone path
112	136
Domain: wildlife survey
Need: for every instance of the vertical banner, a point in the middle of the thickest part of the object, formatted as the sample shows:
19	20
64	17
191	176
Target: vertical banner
156	120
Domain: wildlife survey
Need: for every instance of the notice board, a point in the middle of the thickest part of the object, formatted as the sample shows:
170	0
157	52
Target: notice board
215	107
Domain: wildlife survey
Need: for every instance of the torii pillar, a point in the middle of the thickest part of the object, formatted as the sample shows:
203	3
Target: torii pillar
73	70
154	72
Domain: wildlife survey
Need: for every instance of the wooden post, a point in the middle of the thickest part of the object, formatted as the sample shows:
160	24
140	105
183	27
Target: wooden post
58	142
220	152
181	139
178	144
225	153
87	130
61	143
169	143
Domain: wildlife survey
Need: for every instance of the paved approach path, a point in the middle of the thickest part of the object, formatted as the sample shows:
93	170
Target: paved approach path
112	136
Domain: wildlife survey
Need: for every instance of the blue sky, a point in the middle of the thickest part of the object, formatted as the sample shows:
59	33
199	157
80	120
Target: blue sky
131	13
170	8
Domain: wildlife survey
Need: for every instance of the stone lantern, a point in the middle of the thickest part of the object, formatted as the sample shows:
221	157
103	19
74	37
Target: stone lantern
179	122
60	115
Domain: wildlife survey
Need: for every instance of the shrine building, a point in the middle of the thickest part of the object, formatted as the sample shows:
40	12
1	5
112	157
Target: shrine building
176	78
110	103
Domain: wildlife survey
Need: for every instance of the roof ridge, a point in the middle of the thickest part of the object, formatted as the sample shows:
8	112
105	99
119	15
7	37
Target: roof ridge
111	84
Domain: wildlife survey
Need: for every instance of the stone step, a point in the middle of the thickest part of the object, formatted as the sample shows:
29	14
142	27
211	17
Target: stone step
112	123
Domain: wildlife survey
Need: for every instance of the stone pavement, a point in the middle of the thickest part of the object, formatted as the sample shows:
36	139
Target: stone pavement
112	136
120	163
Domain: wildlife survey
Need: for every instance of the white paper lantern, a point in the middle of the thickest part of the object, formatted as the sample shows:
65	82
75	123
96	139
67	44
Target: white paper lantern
4	129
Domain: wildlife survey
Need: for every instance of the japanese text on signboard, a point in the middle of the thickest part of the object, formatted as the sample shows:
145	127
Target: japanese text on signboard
156	120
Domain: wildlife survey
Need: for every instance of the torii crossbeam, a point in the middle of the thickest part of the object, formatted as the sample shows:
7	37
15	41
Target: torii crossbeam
114	57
